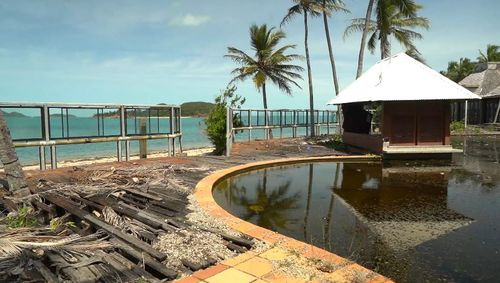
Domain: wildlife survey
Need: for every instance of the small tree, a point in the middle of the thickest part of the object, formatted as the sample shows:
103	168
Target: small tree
216	120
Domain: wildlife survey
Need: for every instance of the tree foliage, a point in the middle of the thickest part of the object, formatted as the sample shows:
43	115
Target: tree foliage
216	120
391	21
269	63
457	71
492	54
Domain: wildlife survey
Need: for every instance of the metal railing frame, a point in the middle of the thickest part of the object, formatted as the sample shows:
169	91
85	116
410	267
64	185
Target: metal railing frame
46	140
332	121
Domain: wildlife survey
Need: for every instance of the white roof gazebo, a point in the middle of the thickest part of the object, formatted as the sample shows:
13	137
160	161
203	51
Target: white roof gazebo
402	78
416	107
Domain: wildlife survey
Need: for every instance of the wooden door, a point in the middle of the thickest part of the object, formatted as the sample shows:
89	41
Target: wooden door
430	123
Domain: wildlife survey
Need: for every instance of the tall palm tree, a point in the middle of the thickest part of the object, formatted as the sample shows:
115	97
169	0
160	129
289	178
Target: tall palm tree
269	63
305	7
327	8
405	6
492	54
391	21
14	172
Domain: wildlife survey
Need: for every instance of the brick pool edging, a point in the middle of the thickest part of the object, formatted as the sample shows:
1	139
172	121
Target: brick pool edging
204	197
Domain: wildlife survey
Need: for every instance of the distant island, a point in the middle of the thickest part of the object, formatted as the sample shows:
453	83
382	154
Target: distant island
196	109
188	109
12	114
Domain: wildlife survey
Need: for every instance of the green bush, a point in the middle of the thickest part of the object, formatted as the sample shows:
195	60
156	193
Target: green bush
335	143
216	120
457	126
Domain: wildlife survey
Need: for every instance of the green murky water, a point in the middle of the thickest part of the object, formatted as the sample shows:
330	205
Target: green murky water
411	221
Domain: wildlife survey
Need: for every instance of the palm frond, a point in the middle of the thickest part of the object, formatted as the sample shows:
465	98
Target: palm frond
292	12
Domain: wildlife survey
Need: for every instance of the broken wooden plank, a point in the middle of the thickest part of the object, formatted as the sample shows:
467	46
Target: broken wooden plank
75	274
112	230
146	258
142	194
136	269
45	272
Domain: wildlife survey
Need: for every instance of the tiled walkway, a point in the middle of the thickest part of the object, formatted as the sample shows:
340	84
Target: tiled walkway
262	267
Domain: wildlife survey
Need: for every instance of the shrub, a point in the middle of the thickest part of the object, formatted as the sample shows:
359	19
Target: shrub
216	120
457	126
335	143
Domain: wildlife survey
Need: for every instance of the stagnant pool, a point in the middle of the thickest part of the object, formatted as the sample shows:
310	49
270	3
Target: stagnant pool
411	221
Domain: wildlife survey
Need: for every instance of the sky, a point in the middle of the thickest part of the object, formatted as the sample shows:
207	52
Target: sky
172	51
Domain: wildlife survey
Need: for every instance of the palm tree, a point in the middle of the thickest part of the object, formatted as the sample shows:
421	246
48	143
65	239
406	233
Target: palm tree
492	54
305	7
405	6
391	21
269	62
457	71
14	172
327	8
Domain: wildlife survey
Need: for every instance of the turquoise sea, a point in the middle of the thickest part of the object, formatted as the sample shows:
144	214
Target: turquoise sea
193	129
193	136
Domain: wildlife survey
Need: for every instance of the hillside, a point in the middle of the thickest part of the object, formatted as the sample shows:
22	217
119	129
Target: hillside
196	108
12	114
192	109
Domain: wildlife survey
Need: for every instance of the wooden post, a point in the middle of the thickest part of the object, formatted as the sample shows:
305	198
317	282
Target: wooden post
41	157
249	125
498	112
180	129
466	113
143	144
119	151
53	157
171	120
229	131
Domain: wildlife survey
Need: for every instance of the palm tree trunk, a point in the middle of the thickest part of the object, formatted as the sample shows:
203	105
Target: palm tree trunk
264	101
309	75
330	52
264	96
14	172
361	56
385	49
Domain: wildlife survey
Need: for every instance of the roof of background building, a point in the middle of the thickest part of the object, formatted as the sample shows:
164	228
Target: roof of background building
485	82
402	78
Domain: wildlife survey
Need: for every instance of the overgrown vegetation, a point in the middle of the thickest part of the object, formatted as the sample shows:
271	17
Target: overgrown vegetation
457	127
458	70
23	217
216	120
335	143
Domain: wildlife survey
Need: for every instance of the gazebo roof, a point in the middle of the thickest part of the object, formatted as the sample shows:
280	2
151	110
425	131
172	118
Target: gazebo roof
402	78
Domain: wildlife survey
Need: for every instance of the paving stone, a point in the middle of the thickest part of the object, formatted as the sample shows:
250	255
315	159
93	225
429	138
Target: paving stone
256	266
231	275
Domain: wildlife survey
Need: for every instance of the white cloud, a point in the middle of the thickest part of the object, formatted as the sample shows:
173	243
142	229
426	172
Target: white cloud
190	20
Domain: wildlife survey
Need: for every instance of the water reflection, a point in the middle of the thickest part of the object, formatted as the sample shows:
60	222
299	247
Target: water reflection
410	221
266	208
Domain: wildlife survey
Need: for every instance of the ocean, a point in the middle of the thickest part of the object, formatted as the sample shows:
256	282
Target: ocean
193	136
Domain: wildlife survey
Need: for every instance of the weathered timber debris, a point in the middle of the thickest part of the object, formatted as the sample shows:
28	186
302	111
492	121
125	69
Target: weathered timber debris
139	219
